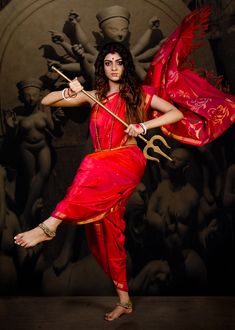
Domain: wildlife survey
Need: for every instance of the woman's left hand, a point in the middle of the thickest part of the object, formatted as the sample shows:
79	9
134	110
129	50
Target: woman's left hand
134	130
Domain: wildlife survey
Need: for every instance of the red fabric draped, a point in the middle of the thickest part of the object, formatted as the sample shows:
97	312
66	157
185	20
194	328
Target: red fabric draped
100	189
107	177
103	181
106	241
208	112
102	186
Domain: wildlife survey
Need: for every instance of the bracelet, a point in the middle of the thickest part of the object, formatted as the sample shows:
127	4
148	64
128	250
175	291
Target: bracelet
63	94
69	96
144	128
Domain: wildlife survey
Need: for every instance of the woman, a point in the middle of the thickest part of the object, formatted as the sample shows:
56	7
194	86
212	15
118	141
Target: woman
106	178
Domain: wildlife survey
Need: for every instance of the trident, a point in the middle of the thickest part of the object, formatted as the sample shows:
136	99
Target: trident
149	143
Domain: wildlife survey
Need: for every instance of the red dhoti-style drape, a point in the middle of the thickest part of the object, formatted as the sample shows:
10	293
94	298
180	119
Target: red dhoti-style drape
103	183
97	196
106	241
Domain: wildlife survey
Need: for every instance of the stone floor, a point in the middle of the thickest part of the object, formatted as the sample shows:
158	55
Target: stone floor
86	313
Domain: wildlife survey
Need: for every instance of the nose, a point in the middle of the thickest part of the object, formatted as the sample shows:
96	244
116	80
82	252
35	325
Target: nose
114	66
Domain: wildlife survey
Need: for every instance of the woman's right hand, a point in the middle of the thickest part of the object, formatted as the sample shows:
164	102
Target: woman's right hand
75	86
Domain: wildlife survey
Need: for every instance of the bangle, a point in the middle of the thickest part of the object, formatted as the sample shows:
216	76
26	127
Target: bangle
144	128
69	95
63	94
72	94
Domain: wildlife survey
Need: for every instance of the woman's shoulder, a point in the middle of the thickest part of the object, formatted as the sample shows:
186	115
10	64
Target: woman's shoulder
92	92
90	96
149	90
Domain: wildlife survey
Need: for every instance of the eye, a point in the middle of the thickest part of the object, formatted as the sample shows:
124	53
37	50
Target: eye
120	62
107	63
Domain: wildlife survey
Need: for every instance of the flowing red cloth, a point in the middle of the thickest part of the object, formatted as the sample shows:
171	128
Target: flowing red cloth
102	186
208	112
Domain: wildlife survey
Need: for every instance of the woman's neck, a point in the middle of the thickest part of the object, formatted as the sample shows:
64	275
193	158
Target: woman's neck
113	87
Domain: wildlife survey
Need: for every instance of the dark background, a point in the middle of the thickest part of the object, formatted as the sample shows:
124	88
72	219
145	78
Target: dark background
191	253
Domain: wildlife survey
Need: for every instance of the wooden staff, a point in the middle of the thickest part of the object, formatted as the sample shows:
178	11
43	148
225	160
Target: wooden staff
149	144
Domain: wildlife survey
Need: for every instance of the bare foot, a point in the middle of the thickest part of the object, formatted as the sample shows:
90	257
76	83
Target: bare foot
119	310
31	238
44	232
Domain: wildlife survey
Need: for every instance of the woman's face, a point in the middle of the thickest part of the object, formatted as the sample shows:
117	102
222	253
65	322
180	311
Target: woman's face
113	67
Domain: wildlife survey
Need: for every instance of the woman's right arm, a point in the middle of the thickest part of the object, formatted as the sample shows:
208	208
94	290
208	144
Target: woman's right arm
69	97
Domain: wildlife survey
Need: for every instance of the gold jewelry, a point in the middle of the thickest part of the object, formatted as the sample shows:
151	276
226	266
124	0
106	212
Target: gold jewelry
47	230
127	305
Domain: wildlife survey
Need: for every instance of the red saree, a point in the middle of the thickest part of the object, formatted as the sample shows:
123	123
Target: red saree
101	187
208	112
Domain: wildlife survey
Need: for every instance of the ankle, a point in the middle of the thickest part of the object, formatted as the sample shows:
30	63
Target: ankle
46	230
123	296
52	222
126	305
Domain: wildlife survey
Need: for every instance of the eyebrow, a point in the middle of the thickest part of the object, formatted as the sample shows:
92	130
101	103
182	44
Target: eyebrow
119	59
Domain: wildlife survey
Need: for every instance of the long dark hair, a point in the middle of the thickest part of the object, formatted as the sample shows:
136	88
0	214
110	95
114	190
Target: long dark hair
130	87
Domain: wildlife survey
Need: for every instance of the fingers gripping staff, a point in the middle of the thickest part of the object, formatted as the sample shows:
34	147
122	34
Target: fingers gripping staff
149	144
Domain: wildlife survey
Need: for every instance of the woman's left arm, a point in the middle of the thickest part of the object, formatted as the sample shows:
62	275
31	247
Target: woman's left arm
170	113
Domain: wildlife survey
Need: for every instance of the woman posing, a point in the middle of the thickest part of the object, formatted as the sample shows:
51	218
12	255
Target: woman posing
107	177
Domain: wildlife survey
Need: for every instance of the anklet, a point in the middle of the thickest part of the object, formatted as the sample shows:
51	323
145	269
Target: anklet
127	305
47	230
